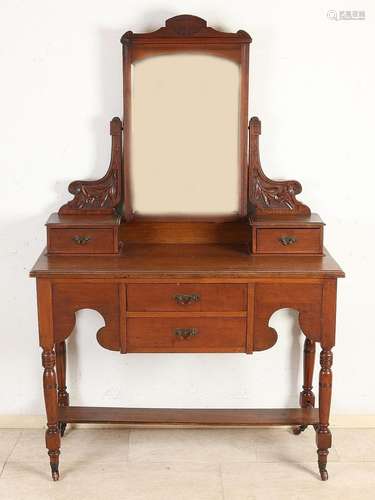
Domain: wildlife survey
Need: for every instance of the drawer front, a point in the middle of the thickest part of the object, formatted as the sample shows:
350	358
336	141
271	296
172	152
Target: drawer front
187	297
81	241
186	334
289	241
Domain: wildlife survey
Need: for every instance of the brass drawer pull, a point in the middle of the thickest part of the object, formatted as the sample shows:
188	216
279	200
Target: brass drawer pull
185	333
81	240
187	299
287	240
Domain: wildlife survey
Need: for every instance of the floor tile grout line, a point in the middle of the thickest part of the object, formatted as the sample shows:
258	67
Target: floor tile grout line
128	447
11	451
221	481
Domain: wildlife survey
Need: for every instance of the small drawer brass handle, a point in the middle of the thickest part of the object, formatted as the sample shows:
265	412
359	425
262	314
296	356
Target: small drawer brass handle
287	240
81	240
185	333
185	299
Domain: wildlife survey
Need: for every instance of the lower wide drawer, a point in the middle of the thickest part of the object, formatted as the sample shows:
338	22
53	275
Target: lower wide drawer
186	334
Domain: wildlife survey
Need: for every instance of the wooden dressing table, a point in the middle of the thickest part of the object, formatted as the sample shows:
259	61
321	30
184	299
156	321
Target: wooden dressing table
183	281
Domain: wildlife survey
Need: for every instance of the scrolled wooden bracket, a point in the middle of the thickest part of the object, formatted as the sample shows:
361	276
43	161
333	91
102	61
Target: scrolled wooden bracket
305	299
103	195
266	196
103	298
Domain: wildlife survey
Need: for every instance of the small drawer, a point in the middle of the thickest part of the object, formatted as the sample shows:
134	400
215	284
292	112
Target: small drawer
186	334
187	297
81	241
288	240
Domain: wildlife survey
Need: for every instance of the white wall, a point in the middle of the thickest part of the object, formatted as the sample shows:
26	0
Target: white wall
312	85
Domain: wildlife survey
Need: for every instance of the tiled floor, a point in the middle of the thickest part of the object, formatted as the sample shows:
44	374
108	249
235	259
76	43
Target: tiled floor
191	464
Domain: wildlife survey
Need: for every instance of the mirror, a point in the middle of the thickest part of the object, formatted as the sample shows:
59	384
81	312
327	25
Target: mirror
185	146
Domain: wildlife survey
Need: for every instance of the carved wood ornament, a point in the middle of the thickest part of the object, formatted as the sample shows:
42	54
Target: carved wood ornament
268	197
184	26
103	195
188	285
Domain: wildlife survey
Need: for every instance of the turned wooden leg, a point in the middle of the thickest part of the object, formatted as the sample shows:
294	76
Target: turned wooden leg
323	434
307	398
62	394
50	398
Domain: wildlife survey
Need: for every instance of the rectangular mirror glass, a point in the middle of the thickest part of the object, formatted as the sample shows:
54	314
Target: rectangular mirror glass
185	155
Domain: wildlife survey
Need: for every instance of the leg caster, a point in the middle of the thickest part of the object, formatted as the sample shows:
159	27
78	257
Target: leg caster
55	472
54	463
300	428
322	463
55	476
62	427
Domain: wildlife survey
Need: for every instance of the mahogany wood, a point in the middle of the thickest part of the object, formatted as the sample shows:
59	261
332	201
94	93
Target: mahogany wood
194	417
104	195
323	434
62	394
220	334
306	298
97	221
68	299
83	235
176	262
192	314
184	232
268	197
206	297
307	397
45	316
82	241
276	240
150	261
287	235
50	397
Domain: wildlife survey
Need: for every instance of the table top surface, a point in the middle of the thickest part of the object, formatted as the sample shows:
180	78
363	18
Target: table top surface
172	260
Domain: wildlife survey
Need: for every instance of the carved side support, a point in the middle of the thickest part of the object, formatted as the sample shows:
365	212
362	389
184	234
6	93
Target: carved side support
62	394
268	197
103	195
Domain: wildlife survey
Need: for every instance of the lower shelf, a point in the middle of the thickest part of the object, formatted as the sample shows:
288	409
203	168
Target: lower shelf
171	416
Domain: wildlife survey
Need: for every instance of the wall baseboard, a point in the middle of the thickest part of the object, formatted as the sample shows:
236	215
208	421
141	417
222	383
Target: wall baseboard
38	422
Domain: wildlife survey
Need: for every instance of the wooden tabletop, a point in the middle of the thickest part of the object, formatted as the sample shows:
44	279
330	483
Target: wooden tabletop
171	260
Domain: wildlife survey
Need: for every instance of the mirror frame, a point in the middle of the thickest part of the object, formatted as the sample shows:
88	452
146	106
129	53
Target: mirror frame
186	34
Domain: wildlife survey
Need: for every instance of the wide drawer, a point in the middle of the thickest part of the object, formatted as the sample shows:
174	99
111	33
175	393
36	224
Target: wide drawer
81	240
184	334
289	240
186	297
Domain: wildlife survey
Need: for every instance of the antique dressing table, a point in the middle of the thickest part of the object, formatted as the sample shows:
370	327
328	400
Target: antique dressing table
185	245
